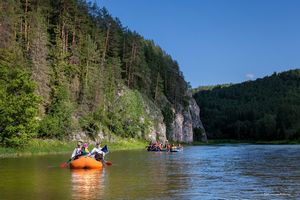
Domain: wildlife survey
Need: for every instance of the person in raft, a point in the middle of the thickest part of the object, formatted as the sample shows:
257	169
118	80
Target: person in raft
77	151
97	153
85	150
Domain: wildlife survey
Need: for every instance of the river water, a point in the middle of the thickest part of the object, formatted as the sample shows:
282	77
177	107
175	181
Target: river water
199	172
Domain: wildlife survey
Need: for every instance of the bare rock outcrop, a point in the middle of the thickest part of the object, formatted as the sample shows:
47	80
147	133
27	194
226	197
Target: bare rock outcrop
186	120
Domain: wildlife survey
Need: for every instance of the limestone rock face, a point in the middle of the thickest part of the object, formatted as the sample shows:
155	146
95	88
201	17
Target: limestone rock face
157	126
157	132
195	114
186	120
196	121
181	129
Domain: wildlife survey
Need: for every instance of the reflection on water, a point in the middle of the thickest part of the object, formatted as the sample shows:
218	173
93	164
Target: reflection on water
87	183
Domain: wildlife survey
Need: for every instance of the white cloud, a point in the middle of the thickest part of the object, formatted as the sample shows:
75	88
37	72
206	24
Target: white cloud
250	76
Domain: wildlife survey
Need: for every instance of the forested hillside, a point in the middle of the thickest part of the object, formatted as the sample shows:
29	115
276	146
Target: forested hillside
68	65
264	109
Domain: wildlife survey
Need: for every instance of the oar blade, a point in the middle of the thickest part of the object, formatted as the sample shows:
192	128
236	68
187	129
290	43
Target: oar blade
108	163
63	165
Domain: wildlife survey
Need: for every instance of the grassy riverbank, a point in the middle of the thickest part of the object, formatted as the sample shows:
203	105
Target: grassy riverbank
40	147
48	146
228	141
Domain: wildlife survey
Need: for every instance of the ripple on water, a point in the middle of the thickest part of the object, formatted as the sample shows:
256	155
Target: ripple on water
199	172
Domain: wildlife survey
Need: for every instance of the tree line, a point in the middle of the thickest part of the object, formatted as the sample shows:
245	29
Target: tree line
265	109
63	65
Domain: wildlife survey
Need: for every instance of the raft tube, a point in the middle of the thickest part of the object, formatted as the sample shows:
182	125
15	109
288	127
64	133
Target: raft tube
176	150
166	150
85	163
156	149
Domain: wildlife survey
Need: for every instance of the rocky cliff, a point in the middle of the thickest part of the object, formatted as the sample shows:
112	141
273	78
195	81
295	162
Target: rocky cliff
181	129
186	121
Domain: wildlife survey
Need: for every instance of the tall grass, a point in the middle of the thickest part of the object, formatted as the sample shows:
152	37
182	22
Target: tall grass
50	146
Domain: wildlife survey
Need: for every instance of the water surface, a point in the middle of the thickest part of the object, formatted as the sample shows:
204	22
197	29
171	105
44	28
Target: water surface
199	172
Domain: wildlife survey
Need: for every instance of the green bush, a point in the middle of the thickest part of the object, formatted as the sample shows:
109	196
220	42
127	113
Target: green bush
58	121
125	117
168	119
91	124
18	106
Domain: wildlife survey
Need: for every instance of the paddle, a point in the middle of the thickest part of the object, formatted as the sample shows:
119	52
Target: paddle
106	151
108	163
65	164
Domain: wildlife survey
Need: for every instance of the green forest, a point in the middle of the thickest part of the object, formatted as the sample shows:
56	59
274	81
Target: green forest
68	65
265	109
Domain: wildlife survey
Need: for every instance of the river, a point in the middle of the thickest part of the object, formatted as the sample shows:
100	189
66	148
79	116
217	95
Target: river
199	172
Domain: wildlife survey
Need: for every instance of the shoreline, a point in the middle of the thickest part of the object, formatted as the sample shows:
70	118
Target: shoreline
55	147
231	141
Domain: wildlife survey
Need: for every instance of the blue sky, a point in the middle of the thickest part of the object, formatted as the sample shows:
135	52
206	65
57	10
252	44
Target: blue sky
218	41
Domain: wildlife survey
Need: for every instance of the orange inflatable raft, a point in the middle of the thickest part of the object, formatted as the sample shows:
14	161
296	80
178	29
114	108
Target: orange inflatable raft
85	163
